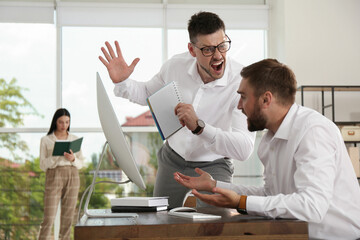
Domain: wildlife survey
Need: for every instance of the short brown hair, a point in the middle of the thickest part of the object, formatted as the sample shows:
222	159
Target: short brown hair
271	75
204	23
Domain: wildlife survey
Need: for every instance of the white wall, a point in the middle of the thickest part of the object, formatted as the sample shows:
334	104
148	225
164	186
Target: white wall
320	41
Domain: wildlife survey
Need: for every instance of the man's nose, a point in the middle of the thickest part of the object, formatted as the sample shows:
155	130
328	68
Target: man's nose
217	54
239	106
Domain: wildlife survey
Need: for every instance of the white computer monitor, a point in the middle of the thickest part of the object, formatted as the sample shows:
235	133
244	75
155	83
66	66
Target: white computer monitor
115	136
119	149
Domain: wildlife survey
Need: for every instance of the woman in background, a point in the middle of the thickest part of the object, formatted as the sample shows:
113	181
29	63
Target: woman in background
62	177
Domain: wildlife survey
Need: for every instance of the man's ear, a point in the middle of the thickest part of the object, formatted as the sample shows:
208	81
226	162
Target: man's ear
267	98
191	49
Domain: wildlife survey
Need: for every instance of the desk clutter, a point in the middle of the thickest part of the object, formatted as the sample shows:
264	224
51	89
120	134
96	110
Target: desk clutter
350	133
188	212
139	204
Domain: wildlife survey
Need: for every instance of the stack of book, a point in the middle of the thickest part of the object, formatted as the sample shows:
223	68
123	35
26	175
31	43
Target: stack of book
139	204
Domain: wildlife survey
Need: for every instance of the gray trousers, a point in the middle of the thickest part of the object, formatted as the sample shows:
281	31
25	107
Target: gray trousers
169	162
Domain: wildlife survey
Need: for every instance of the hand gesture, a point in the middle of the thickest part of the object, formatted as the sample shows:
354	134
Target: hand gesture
202	183
69	156
186	115
116	65
221	197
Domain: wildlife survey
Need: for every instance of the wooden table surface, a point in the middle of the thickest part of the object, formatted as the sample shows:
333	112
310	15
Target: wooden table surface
160	225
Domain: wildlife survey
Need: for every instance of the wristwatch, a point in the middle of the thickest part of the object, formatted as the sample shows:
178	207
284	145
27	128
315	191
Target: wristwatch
242	205
200	126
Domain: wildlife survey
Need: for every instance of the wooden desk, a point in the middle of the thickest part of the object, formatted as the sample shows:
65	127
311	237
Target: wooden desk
160	225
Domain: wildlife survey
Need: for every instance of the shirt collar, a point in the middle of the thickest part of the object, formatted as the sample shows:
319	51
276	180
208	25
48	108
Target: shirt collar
219	82
283	131
52	136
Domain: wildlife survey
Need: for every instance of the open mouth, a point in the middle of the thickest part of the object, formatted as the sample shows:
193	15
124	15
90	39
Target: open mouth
217	66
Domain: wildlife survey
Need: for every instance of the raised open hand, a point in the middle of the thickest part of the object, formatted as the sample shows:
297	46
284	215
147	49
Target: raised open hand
116	65
202	183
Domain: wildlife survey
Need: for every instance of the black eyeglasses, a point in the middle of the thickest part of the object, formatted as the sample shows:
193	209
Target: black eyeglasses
208	51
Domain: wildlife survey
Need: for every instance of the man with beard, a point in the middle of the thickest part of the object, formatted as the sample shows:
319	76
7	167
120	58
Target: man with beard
213	128
307	170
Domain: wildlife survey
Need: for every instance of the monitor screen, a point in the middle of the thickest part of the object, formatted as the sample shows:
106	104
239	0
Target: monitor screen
115	137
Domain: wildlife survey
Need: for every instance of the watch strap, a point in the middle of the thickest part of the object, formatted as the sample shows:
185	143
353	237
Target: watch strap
197	130
242	205
200	125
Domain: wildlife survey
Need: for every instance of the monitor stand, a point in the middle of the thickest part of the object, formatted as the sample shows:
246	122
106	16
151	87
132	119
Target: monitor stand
102	213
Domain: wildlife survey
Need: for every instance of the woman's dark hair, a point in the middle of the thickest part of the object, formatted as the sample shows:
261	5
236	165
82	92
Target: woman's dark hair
271	75
204	23
59	113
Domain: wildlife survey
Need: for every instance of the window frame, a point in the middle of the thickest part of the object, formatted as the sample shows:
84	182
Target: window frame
99	14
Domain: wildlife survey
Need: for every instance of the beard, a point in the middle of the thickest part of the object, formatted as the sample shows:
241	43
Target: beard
257	121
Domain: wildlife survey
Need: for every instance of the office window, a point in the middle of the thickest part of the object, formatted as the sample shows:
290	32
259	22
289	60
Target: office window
81	49
28	54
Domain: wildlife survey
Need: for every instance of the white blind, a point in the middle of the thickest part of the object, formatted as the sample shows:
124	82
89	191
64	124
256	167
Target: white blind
110	14
26	12
234	16
176	16
155	15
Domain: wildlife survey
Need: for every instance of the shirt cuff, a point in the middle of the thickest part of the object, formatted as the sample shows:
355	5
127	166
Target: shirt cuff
208	134
221	184
76	163
122	82
254	204
120	87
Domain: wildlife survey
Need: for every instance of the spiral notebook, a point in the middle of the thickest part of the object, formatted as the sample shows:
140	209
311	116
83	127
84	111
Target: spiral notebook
162	105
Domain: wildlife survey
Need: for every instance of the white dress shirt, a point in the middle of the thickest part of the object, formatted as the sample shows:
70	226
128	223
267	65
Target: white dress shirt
225	133
308	176
48	161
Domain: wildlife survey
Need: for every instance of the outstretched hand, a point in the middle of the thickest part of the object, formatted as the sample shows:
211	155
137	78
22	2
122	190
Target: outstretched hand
221	197
118	69
202	183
